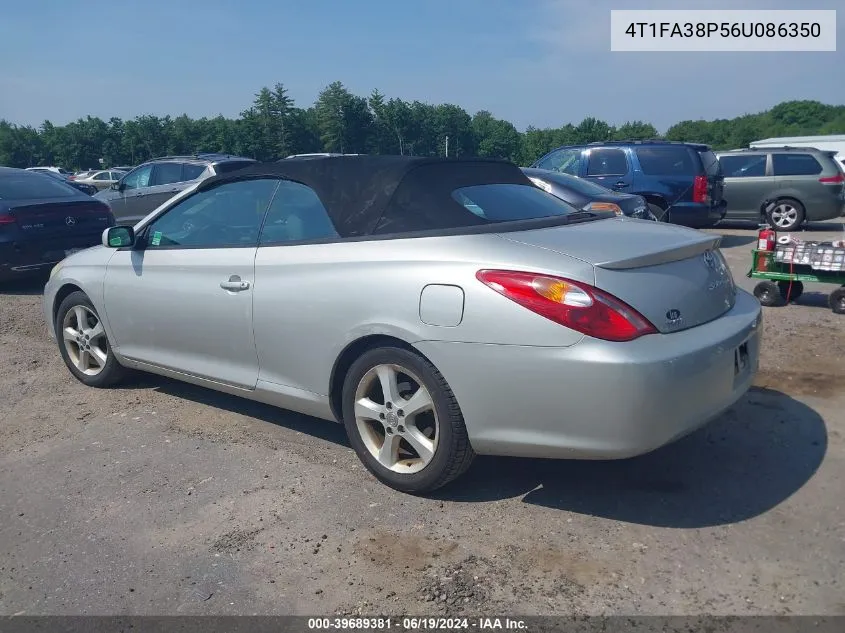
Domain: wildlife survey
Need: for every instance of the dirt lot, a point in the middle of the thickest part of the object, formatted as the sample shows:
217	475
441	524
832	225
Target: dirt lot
165	498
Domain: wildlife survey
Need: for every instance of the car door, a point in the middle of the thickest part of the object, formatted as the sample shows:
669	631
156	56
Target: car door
746	184
609	167
294	280
182	297
130	197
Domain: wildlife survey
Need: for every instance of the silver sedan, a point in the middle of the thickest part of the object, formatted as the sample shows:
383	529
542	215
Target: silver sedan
439	309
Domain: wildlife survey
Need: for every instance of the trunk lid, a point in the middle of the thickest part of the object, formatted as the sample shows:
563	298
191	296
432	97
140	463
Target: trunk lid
674	276
47	218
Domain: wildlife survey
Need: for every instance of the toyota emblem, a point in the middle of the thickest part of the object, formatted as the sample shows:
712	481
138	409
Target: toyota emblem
70	221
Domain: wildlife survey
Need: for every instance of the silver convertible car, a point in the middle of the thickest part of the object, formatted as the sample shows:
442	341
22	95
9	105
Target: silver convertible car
438	308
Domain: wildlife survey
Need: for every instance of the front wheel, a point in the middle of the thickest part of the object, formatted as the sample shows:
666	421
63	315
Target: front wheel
84	345
837	300
768	294
404	422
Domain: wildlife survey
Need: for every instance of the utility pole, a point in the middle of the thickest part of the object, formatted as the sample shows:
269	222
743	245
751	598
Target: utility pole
447	146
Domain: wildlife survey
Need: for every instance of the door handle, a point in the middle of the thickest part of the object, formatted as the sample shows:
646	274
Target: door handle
621	184
234	284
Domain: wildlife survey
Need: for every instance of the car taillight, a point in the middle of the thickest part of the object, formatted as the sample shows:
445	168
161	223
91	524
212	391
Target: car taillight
576	305
699	189
833	180
603	206
5	218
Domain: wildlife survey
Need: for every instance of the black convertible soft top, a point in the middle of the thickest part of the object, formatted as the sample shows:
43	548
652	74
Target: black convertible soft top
368	195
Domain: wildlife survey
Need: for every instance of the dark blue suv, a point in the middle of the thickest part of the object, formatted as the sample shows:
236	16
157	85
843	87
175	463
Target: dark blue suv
682	182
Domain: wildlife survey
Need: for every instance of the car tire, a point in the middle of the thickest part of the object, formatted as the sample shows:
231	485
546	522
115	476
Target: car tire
88	355
790	290
837	300
424	454
658	212
768	294
787	215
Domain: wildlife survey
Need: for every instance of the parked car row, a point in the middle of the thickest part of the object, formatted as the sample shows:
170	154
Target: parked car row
691	185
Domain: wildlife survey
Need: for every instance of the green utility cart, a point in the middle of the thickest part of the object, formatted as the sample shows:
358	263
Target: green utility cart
783	276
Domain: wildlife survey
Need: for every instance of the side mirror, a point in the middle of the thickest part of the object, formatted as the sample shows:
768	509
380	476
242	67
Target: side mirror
118	236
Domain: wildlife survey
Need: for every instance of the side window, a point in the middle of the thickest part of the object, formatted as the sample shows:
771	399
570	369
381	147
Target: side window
139	178
566	161
607	162
167	173
226	216
296	214
103	175
795	165
744	166
192	171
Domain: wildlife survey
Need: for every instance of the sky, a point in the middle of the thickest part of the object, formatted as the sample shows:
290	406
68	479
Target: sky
533	62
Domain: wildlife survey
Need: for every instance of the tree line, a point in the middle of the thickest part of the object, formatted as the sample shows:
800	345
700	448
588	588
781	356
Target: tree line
339	121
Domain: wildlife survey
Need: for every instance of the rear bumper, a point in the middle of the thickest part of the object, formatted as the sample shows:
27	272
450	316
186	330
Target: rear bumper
25	257
820	212
600	400
696	215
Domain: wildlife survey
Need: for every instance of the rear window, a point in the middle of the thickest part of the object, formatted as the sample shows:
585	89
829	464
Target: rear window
795	165
191	171
232	165
711	163
667	160
33	186
510	202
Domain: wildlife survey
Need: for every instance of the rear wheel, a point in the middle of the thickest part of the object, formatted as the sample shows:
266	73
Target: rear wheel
787	215
837	300
790	290
658	212
83	343
768	294
404	422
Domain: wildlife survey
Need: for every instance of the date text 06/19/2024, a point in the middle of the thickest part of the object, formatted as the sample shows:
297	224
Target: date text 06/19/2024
416	624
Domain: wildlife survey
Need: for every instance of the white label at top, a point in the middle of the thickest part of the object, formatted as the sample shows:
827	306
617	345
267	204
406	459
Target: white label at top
723	31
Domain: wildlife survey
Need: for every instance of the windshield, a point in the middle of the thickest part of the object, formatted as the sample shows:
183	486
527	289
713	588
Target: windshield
510	202
32	187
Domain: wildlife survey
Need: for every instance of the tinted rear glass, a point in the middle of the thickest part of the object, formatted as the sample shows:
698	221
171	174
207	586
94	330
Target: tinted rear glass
795	165
191	171
33	186
711	163
510	202
229	166
744	165
667	160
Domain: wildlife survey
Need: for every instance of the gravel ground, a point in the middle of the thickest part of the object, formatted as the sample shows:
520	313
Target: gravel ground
163	498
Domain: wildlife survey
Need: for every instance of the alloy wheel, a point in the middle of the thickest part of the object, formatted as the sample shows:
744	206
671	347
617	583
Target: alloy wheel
784	215
85	340
396	418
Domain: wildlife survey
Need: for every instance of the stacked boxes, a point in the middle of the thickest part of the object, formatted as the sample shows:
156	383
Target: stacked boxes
816	255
